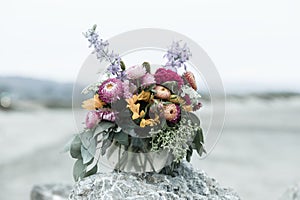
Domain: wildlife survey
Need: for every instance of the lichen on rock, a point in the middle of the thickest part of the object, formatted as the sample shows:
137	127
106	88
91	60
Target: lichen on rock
186	184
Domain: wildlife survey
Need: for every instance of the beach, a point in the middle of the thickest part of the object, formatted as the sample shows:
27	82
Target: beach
256	155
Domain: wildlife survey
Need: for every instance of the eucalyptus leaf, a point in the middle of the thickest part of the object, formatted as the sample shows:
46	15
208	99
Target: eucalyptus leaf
198	142
92	148
79	170
86	138
75	148
189	154
171	85
86	155
106	143
103	126
121	138
91	171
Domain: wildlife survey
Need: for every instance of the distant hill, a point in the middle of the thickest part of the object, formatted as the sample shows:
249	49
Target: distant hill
40	92
28	92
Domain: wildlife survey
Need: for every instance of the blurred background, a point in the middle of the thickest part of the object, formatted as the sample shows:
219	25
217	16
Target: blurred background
254	44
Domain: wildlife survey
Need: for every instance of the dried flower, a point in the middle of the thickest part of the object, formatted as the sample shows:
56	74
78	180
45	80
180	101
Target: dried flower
93	103
144	96
163	75
177	56
190	78
135	72
92	119
162	92
126	89
110	90
149	122
176	139
189	93
148	79
172	112
107	114
102	52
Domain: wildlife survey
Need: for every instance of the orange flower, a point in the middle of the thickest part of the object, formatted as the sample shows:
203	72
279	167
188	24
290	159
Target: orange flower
93	103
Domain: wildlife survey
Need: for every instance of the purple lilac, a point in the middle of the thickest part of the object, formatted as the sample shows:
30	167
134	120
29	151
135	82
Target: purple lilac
102	53
177	56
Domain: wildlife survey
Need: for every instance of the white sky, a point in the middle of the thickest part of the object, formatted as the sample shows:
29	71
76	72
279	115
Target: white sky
252	43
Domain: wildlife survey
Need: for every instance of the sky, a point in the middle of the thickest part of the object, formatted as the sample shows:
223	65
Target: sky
254	44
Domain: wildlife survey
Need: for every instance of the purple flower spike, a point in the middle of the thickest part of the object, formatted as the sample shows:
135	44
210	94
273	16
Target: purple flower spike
177	56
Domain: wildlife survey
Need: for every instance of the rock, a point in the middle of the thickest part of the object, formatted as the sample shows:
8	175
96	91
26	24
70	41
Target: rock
187	184
292	193
51	192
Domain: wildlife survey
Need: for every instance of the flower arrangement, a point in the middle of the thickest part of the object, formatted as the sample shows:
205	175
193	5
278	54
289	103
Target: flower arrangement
139	110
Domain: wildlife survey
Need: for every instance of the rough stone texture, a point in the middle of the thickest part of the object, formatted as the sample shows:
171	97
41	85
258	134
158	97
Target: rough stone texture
51	192
187	184
292	193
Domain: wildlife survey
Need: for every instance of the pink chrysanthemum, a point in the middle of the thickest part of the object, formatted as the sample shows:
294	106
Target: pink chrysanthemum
172	112
135	72
163	75
92	119
110	90
148	79
128	89
106	114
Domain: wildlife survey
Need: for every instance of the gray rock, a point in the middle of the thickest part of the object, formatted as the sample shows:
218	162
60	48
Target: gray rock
292	193
51	192
187	184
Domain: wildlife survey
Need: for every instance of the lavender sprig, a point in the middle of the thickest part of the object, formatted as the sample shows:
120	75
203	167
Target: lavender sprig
177	56
102	53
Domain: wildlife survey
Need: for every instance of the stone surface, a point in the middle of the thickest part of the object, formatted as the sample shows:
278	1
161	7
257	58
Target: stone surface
292	193
187	184
51	192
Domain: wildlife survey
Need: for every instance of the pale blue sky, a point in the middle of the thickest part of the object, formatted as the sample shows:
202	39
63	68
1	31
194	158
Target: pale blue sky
254	44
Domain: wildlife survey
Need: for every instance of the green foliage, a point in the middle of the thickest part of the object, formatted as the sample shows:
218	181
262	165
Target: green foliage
189	154
79	170
83	148
106	143
121	138
86	155
103	126
171	85
147	66
198	142
75	149
180	140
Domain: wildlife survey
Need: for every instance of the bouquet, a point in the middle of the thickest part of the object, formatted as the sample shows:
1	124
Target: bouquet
139	117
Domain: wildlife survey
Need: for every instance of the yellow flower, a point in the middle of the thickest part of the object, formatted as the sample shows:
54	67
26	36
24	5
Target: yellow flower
135	108
187	108
146	122
149	122
176	99
132	100
142	113
93	103
144	96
